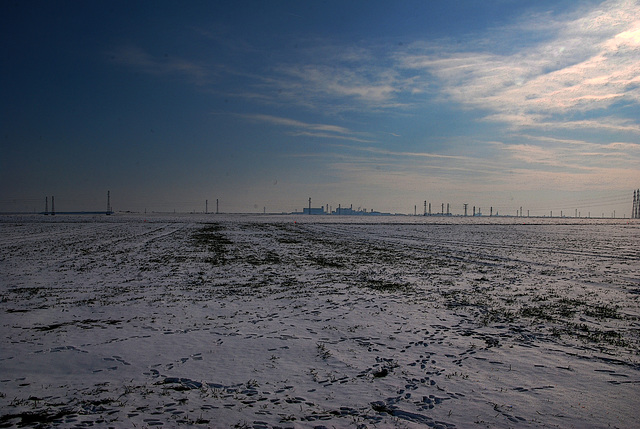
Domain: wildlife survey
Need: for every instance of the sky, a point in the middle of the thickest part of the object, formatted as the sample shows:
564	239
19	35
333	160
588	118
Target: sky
377	104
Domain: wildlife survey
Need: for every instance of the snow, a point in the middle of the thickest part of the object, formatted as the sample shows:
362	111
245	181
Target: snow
318	321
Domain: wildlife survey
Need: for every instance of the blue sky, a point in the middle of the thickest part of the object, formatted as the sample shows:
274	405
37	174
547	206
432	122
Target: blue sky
382	105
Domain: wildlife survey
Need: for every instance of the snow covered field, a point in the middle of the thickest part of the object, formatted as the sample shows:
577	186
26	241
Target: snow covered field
285	321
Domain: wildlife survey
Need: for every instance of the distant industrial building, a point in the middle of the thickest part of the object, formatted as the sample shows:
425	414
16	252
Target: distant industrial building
361	212
340	211
314	211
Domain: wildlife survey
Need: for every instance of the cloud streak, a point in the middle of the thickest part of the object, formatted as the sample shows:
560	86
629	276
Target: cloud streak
135	57
300	128
588	64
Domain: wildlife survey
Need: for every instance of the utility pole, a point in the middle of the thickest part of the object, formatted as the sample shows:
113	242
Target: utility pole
465	209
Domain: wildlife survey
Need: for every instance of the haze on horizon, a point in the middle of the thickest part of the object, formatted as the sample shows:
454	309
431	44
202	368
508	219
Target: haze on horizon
378	104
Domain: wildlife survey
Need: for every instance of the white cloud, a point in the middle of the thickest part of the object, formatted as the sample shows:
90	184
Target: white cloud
587	64
361	83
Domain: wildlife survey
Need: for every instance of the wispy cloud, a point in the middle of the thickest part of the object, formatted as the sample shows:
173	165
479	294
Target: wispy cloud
586	64
139	59
387	152
300	128
354	85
